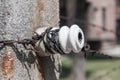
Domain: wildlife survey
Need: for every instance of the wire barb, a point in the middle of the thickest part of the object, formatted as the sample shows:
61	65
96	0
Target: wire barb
26	42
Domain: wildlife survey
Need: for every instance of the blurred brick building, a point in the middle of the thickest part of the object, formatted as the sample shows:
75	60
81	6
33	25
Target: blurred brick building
95	17
101	15
101	20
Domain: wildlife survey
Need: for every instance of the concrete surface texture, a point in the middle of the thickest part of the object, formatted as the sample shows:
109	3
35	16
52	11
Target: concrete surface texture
20	18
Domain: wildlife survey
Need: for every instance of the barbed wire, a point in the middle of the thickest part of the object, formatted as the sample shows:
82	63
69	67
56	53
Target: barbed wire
36	37
26	42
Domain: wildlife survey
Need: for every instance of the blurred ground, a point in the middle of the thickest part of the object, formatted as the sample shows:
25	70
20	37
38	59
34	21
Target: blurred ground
103	69
96	69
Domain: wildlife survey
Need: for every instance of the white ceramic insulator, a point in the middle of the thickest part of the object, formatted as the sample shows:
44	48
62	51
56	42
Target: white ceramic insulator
40	47
76	38
63	39
70	39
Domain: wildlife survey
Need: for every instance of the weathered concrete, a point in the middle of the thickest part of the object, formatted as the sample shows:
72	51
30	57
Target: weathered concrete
20	18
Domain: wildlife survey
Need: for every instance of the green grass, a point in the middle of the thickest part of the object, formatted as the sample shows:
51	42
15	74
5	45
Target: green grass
66	68
96	69
103	69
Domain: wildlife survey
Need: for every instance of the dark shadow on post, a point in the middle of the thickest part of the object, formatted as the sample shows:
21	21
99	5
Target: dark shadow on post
22	57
